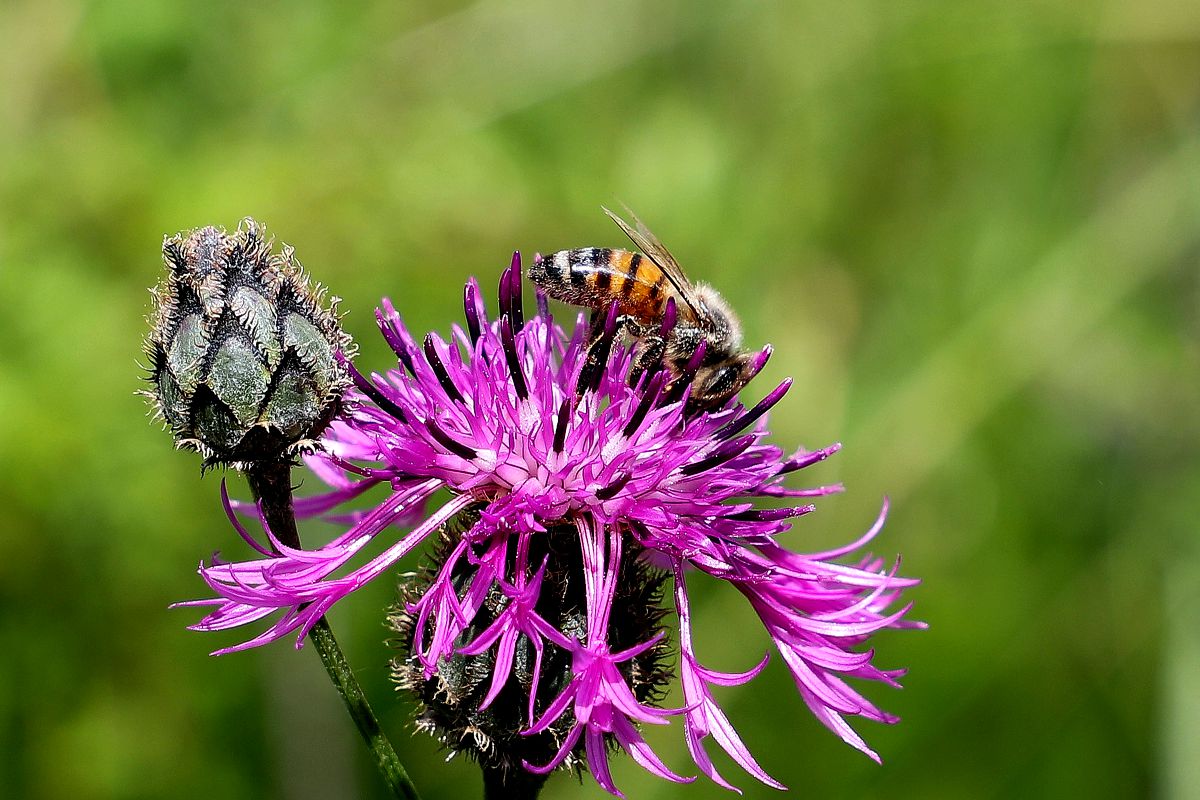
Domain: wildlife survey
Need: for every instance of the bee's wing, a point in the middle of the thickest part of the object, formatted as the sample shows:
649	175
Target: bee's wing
656	251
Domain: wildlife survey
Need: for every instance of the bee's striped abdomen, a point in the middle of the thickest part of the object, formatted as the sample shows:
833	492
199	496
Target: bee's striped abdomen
594	277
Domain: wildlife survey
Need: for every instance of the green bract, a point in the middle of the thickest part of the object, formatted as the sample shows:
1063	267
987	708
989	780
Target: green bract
242	350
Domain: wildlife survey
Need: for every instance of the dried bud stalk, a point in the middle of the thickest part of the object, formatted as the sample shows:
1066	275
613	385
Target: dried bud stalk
242	349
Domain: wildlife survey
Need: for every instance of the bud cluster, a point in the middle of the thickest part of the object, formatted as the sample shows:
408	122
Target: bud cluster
243	352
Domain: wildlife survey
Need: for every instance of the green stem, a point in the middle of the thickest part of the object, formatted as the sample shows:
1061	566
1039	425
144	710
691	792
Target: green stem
271	483
499	784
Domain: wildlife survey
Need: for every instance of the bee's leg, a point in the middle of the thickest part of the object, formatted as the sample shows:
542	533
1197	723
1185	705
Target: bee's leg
647	357
598	348
596	325
681	349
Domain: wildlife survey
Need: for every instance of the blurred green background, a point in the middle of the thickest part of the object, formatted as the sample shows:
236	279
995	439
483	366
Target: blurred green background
970	229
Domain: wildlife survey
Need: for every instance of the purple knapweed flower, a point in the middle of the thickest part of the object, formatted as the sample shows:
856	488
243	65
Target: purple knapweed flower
573	498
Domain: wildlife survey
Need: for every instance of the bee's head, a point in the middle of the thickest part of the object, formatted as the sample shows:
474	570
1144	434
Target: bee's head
722	375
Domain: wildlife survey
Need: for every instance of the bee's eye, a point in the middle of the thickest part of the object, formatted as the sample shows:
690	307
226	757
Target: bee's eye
723	380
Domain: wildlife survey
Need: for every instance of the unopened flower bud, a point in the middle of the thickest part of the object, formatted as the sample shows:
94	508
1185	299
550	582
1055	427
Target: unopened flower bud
242	350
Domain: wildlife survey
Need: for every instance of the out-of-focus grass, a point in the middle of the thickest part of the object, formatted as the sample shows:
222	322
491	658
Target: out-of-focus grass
971	230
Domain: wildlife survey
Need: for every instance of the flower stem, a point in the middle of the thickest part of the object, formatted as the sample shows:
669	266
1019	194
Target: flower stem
499	784
271	483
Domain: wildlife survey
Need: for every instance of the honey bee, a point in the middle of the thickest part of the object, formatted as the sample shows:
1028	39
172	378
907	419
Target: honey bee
641	284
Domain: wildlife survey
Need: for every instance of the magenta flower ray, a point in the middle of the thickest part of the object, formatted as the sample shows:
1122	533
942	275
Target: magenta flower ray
571	492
